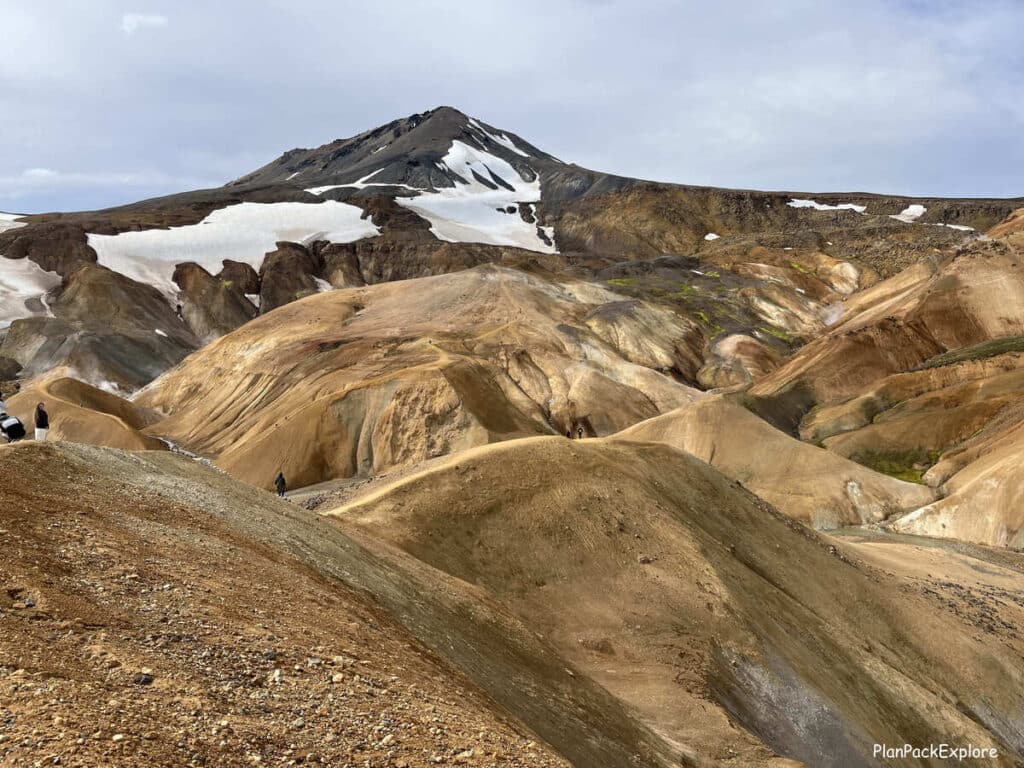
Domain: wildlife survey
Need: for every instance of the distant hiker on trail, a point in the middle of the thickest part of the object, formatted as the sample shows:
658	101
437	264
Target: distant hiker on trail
42	422
11	427
580	432
280	484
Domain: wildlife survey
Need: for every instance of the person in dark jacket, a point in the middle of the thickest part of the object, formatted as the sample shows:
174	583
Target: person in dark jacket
280	484
42	422
580	432
11	428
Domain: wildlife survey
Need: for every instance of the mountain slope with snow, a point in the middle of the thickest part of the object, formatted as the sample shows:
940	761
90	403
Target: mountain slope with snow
242	233
440	191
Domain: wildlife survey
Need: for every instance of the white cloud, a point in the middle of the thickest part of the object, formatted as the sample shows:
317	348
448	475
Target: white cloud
48	182
131	22
40	173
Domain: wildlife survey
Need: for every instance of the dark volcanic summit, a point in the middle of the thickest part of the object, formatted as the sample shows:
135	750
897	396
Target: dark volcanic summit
408	152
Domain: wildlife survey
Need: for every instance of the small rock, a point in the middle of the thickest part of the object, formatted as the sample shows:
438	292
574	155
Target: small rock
118	737
645	559
143	678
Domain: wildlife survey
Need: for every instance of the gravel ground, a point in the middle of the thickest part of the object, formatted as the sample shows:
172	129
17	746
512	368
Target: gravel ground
138	629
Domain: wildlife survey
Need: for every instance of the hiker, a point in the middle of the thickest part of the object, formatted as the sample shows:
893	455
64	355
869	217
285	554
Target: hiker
568	433
42	422
580	432
11	427
280	484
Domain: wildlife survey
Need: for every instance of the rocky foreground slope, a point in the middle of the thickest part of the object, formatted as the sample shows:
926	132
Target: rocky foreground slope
148	621
160	612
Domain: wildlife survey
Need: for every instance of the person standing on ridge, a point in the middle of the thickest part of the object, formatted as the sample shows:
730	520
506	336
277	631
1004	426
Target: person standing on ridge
579	432
42	419
280	484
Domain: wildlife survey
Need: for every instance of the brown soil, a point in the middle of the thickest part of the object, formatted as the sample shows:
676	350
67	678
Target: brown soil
695	603
137	628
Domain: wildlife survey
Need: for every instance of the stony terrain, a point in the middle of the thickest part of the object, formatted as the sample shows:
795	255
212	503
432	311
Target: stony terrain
140	627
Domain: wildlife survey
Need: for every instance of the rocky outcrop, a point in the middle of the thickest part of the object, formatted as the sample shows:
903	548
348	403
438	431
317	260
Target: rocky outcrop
737	360
287	274
240	276
212	306
60	248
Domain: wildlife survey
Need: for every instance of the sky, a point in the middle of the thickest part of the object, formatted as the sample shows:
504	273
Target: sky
109	102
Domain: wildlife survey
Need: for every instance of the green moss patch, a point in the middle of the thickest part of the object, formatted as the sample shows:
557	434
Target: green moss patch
909	466
976	352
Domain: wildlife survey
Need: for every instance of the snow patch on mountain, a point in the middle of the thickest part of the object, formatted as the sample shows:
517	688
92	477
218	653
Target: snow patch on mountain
7	221
244	232
23	285
476	212
501	139
362	183
910	214
798	203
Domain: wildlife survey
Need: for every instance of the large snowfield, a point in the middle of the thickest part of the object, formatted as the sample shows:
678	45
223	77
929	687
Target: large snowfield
473	212
244	232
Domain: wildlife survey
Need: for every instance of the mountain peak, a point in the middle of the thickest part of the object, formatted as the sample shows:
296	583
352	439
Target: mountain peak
407	152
